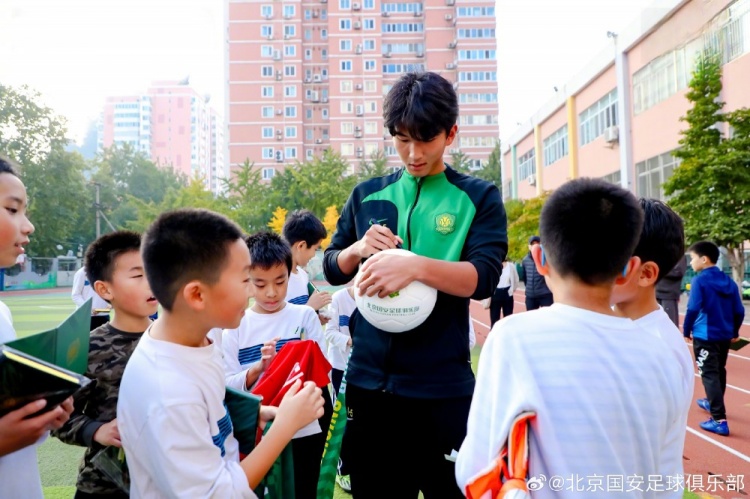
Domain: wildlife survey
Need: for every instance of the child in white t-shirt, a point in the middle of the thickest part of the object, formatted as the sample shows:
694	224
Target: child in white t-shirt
608	395
174	425
19	472
273	322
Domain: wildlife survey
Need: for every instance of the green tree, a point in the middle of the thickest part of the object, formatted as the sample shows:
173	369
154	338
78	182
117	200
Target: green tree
248	198
374	166
710	188
523	222
277	221
491	171
460	162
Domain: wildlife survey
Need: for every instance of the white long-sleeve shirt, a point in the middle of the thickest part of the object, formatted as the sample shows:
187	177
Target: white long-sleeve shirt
337	330
19	471
83	290
174	426
608	395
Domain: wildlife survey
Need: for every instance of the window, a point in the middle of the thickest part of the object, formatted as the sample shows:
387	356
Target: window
652	173
345	4
308	34
601	115
290	111
527	165
308	113
345	24
290	50
347	149
347	107
556	146
476	55
346	86
308	14
266	71
371	106
324	54
268	173
345	45
402	68
268	153
308	154
613	178
267	132
266	30
371	86
290	91
266	51
390	151
369	45
324	34
400	8
346	65
266	92
369	24
347	128
266	10
369	4
371	128
402	28
308	55
309	134
324	113
290	132
290	152
267	111
477	98
476	11
290	70
289	11
476	33
370	65
290	30
371	148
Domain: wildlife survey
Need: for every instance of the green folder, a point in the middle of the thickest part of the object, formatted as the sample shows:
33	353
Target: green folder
244	411
736	345
66	346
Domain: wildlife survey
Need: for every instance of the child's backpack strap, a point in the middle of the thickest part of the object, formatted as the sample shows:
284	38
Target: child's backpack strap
506	476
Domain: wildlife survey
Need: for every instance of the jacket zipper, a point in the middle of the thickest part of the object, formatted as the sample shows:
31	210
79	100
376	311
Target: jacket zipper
411	210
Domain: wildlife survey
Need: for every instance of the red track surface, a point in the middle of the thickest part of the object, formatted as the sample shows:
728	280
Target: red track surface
705	453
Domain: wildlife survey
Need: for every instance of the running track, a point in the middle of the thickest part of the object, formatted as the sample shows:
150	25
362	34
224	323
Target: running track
705	453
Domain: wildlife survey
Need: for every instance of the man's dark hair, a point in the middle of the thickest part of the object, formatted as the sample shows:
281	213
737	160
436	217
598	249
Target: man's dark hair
707	249
186	245
102	253
589	229
302	225
423	105
7	165
662	238
267	250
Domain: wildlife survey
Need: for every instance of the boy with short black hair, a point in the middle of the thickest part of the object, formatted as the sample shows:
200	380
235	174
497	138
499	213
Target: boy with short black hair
114	265
304	232
272	320
604	390
174	425
661	245
19	432
713	319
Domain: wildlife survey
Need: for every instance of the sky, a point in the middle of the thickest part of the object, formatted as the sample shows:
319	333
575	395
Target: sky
77	52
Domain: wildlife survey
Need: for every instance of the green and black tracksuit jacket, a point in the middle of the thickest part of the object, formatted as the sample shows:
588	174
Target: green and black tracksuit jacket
449	216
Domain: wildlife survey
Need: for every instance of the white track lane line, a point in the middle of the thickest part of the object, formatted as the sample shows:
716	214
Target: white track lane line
719	444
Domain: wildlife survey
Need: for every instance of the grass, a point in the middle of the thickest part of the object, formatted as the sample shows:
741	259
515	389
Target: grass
58	462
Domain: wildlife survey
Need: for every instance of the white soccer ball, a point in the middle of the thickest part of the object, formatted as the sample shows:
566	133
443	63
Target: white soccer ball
401	311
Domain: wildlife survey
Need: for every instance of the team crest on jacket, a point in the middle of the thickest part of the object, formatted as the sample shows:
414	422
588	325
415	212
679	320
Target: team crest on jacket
445	223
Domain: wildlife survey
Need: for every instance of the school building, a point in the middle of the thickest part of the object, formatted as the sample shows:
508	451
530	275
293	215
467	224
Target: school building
307	75
619	118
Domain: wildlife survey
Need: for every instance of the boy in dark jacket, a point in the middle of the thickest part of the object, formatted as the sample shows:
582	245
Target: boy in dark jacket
713	319
537	293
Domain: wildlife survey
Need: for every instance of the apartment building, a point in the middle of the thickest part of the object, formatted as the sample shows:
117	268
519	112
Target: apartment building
303	76
173	124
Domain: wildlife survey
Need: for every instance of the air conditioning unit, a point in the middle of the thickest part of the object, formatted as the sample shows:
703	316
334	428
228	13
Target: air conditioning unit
360	154
358	50
450	65
308	80
385	14
387	55
288	16
324	100
276	55
268	16
449	17
315	14
279	159
279	112
318	141
278	76
611	134
420	54
316	78
453	44
357	135
287	37
358	86
357	129
450	3
357	25
323	1
356	6
360	111
418	13
269	37
531	179
279	137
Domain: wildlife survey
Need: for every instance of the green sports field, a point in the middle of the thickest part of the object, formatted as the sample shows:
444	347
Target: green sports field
58	462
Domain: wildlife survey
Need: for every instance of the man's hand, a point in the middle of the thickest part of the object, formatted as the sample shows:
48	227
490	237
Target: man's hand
17	432
319	299
735	340
376	239
301	405
267	353
384	274
108	434
267	413
689	338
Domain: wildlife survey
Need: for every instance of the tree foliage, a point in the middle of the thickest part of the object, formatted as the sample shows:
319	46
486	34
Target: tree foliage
277	221
460	161
710	188
329	222
491	170
523	222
